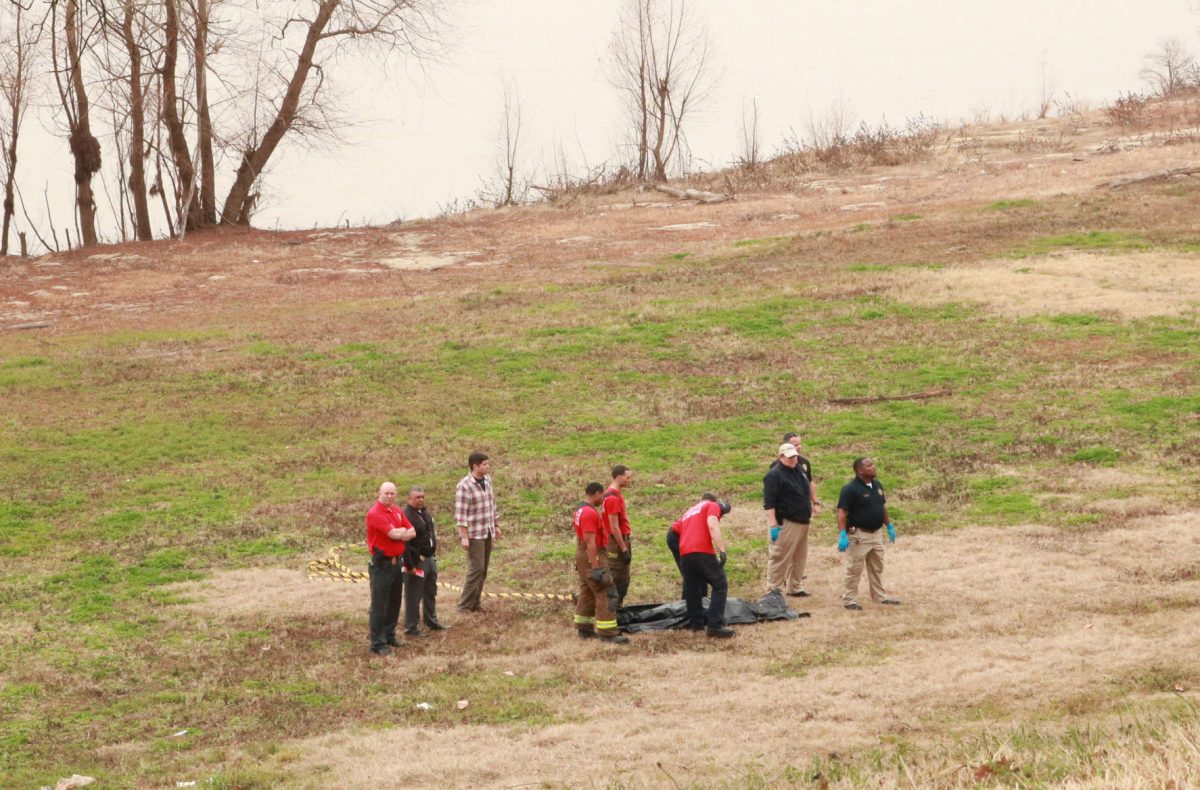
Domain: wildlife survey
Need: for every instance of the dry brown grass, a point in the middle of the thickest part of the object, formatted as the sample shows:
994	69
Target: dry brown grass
1020	622
1136	285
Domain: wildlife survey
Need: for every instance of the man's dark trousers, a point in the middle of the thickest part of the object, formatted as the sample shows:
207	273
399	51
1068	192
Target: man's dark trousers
387	585
700	569
421	594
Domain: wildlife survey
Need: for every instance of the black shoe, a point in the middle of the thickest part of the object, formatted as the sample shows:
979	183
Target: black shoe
890	601
416	632
615	640
854	607
392	642
720	631
694	627
437	627
383	651
801	594
585	634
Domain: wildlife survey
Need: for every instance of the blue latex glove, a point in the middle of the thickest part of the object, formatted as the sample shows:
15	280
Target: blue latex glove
891	532
774	534
843	541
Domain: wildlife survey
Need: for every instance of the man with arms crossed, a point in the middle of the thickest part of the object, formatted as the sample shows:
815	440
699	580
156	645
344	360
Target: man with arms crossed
387	529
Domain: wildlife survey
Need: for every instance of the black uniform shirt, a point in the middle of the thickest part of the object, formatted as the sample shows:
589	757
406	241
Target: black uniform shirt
786	489
425	543
864	504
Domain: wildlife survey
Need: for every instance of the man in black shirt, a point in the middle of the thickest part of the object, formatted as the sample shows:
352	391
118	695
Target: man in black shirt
420	580
862	515
787	501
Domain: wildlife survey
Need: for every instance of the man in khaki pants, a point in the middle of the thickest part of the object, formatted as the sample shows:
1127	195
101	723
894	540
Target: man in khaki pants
787	501
862	515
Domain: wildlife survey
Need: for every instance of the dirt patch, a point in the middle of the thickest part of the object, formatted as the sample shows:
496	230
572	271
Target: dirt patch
253	591
1124	285
1009	620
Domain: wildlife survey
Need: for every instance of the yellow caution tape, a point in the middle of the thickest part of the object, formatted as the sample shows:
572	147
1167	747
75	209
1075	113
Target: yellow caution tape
331	569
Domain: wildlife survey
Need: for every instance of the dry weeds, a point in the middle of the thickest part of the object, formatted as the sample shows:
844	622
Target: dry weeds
1116	285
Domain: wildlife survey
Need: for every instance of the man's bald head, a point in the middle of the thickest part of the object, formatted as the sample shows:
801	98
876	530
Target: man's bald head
387	493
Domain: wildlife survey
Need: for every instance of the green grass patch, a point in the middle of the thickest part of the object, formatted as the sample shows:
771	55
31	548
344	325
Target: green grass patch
1009	205
1099	456
1096	240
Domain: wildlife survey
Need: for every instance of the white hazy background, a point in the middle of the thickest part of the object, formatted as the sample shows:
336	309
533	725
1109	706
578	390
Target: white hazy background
426	133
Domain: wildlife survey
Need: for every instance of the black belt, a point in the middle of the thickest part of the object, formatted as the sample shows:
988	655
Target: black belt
852	530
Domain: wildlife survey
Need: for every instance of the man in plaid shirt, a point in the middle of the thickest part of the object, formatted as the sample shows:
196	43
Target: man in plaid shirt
475	515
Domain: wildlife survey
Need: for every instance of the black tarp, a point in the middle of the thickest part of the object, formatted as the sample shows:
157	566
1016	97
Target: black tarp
661	616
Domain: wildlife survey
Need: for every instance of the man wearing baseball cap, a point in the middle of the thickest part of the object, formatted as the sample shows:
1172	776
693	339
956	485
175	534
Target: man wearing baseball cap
787	500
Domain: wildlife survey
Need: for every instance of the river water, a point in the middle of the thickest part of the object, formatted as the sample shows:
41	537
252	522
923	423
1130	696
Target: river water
426	133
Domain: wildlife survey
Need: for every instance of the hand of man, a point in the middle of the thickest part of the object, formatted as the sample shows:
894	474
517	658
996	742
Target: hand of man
843	541
891	532
721	557
598	575
497	530
627	555
774	533
465	542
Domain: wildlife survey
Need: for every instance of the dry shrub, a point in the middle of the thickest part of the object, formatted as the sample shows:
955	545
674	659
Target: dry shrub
1128	111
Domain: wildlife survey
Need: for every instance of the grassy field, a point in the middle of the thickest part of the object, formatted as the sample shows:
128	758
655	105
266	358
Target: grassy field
166	474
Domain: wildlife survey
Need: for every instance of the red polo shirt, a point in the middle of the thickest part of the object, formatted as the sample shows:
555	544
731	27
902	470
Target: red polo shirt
694	536
587	519
614	505
380	519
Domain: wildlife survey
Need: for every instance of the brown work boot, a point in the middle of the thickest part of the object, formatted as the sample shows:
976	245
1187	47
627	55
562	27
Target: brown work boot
615	640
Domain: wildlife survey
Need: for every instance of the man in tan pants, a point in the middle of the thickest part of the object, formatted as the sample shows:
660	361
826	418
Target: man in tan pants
787	502
862	515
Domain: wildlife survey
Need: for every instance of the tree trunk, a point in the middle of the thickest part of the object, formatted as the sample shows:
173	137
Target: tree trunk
208	176
10	174
170	110
660	133
84	146
239	203
137	120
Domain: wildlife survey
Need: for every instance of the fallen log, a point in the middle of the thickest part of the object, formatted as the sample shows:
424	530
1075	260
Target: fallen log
1161	175
698	195
881	398
31	325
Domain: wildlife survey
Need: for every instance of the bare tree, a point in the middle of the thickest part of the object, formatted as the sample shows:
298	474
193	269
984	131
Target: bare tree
1170	68
659	61
77	28
1046	97
509	186
133	36
18	47
204	131
298	106
751	153
188	210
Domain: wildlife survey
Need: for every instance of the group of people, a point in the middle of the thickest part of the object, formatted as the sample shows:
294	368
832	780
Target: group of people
403	546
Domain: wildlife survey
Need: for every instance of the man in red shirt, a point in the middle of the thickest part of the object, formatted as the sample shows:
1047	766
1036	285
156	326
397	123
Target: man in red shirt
593	618
620	550
702	563
387	530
